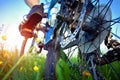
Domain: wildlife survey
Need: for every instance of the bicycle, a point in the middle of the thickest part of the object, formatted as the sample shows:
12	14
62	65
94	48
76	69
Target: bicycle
85	25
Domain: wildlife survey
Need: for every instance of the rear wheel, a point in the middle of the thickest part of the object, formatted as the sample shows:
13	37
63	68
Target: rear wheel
83	34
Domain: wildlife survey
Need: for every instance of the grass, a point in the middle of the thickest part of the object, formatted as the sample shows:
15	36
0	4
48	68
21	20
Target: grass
109	73
31	67
22	68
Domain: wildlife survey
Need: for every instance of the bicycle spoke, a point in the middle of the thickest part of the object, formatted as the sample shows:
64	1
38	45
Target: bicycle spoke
87	31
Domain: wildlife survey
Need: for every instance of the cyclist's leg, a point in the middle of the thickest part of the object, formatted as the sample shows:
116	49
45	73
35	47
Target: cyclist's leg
31	3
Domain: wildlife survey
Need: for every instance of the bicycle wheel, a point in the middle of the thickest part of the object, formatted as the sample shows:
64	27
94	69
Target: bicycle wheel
87	28
97	24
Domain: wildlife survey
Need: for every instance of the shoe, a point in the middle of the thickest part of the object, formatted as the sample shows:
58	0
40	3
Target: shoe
33	18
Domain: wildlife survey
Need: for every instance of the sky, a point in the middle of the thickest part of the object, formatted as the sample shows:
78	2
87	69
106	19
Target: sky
11	15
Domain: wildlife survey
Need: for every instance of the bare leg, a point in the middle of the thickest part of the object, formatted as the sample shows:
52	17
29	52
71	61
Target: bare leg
32	3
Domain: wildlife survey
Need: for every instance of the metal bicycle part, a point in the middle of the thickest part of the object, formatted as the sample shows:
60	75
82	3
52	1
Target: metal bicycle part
91	41
64	43
88	40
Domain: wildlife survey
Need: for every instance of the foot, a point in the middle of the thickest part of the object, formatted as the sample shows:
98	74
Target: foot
33	18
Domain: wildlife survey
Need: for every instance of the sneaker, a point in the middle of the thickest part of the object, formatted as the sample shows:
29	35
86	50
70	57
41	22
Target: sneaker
33	18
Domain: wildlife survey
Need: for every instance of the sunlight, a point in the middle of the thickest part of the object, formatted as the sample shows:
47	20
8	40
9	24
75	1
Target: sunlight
10	37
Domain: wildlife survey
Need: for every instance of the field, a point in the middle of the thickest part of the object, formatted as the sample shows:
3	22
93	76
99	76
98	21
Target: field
31	67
